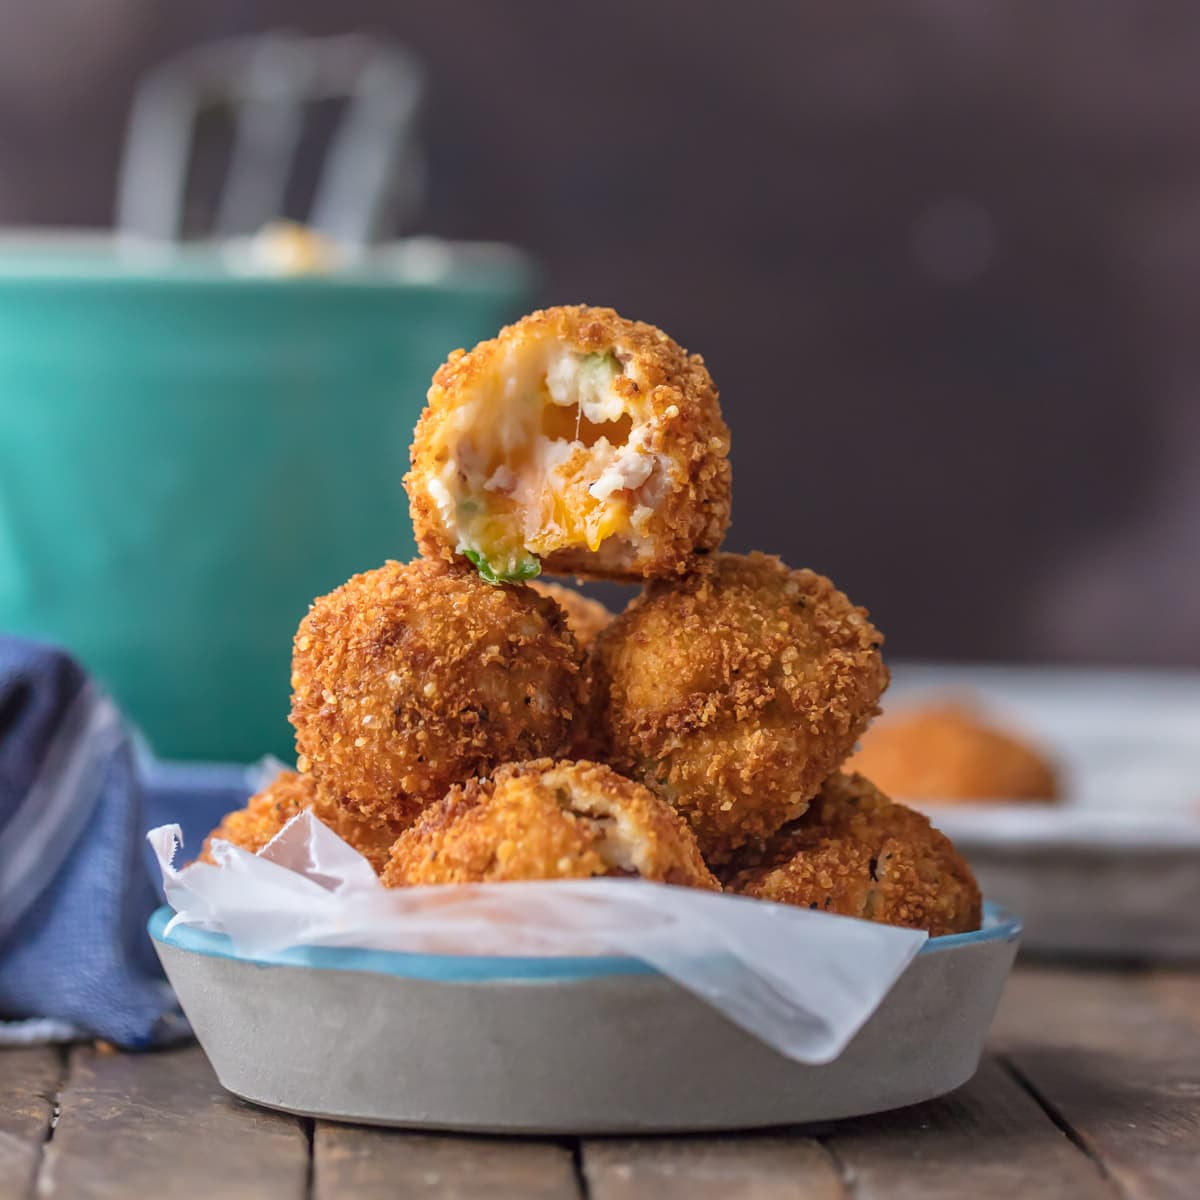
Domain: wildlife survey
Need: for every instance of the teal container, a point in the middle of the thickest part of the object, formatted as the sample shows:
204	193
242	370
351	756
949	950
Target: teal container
188	456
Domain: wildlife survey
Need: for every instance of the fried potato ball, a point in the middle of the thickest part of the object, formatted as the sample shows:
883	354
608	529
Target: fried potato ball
586	618
950	753
285	797
548	820
410	678
857	854
734	692
577	441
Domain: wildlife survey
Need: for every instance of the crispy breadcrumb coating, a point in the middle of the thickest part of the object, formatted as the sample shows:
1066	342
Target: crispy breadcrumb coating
410	678
548	820
576	439
285	797
948	753
857	854
586	618
372	837
734	692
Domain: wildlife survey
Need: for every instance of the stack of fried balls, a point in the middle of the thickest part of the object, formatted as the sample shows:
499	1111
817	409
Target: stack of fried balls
457	722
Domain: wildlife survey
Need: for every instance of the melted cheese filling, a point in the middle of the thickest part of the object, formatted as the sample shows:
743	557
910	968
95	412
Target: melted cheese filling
548	454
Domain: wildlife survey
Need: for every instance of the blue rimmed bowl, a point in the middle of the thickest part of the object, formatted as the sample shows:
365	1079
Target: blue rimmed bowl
560	1045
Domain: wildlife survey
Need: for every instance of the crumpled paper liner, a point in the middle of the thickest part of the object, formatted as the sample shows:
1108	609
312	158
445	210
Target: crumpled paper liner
802	982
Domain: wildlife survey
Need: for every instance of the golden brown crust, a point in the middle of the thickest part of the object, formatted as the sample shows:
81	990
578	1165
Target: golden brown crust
586	618
548	820
734	693
410	678
372	837
285	797
857	854
949	753
686	427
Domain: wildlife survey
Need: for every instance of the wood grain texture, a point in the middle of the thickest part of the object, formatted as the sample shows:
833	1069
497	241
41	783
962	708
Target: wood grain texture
1119	1065
160	1125
1180	991
1092	1092
988	1139
29	1082
747	1167
367	1163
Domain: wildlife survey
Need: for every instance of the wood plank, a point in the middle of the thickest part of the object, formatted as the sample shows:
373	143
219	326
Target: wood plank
746	1167
160	1125
350	1160
1180	991
29	1081
1117	1065
1086	1008
990	1138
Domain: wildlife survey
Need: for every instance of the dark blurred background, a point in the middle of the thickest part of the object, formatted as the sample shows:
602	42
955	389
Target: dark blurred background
943	260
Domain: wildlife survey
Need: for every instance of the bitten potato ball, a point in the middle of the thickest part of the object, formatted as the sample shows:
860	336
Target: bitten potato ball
735	692
857	854
577	441
410	678
586	618
285	797
548	820
950	753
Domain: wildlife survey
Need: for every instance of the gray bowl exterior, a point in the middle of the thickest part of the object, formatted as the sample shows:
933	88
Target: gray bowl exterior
1106	902
615	1054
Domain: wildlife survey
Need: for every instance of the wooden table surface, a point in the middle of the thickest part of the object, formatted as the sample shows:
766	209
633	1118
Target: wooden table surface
1091	1088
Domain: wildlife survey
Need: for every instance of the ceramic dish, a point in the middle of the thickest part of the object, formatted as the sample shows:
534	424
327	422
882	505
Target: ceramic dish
559	1045
1114	869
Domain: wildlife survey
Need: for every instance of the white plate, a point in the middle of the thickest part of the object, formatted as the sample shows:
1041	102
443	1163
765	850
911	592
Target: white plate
1113	870
559	1045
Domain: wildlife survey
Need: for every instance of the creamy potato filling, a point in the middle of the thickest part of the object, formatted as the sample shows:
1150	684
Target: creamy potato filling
619	843
547	454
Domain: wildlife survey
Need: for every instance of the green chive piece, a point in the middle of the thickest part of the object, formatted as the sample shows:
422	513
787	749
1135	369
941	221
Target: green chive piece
516	570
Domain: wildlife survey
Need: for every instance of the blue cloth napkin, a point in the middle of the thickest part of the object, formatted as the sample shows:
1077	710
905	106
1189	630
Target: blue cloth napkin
75	895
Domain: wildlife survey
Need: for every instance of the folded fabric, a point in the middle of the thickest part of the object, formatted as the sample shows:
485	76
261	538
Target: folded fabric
74	893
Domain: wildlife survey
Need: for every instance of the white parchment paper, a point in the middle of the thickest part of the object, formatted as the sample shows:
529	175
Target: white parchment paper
803	982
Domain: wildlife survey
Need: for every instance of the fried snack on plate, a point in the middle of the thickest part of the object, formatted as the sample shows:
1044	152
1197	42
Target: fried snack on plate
858	854
948	753
548	820
285	797
734	692
410	678
586	618
577	441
